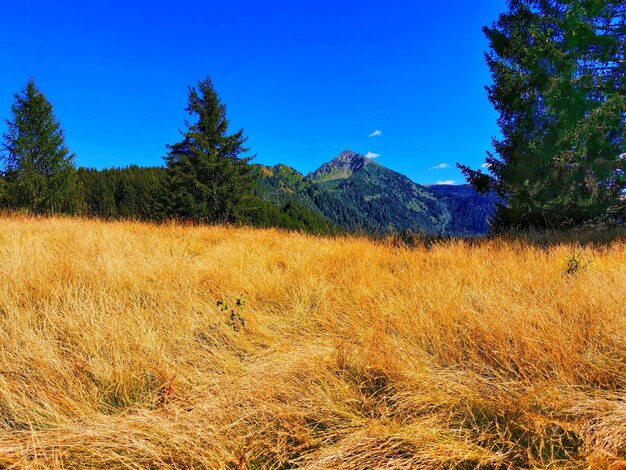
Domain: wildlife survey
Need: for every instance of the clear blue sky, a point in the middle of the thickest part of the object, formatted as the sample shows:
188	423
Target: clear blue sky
305	79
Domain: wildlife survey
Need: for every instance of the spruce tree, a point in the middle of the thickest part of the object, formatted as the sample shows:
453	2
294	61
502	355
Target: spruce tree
38	168
208	179
558	69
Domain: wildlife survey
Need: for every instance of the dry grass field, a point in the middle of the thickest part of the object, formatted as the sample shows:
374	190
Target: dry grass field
344	353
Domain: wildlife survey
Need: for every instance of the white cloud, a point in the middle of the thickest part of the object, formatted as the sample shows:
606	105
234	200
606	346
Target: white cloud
485	165
376	133
441	166
372	155
447	182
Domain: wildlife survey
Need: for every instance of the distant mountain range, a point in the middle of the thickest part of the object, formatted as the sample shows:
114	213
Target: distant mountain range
358	194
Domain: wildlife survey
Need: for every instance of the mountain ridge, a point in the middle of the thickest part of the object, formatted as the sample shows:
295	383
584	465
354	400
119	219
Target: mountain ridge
358	194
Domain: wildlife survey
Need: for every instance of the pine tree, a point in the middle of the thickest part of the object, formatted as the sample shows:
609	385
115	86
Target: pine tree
39	172
208	180
558	68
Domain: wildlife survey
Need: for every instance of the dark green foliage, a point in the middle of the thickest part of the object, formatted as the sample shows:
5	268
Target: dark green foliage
559	87
208	180
140	193
470	212
281	183
387	201
129	193
39	173
341	212
291	216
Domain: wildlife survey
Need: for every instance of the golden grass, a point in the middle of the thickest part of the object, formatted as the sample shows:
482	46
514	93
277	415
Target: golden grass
354	354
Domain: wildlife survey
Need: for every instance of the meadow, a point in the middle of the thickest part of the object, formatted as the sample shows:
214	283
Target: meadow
129	345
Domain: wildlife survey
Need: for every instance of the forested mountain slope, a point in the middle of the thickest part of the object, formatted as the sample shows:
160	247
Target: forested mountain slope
357	193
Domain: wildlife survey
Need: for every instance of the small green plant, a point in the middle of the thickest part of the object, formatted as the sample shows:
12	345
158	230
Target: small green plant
574	263
236	320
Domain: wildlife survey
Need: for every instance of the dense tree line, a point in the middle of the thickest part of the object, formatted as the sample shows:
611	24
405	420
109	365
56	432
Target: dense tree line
133	192
141	193
290	215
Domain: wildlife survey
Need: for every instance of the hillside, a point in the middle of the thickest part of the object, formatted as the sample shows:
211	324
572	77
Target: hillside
357	193
116	352
469	212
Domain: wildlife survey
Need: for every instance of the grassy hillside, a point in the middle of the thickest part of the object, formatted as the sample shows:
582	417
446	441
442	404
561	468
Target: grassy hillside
343	353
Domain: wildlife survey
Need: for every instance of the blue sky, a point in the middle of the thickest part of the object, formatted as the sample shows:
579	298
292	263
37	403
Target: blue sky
305	79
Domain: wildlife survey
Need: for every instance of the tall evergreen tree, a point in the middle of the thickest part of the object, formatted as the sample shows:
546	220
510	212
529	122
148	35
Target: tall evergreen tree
208	180
39	172
558	68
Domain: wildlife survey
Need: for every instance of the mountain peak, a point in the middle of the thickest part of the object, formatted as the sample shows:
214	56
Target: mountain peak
340	167
351	158
357	193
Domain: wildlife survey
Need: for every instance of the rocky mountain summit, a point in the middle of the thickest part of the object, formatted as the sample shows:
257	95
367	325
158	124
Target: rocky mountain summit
341	167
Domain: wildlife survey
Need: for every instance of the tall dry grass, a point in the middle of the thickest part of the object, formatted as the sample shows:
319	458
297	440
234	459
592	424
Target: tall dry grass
353	354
